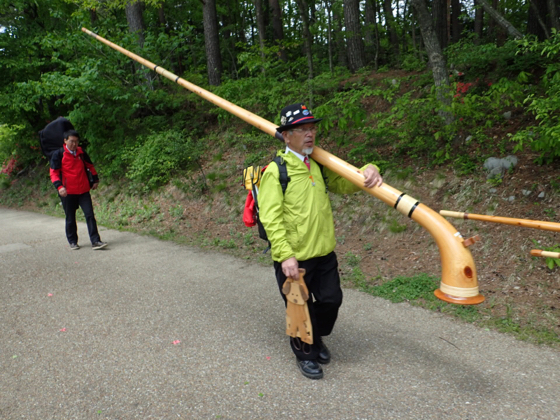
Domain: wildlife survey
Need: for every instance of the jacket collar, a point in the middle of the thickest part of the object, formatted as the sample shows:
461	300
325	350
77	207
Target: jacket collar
78	150
300	156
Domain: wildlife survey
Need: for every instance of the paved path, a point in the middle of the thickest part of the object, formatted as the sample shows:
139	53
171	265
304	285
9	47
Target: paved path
122	309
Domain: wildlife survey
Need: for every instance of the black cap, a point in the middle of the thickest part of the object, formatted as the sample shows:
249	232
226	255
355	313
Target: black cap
294	115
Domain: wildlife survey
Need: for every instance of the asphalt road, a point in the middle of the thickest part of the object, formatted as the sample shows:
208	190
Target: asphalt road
95	335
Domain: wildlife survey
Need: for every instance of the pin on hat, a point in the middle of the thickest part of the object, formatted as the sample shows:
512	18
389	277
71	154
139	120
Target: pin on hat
294	115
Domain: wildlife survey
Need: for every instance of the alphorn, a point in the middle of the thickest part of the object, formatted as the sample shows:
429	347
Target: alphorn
534	224
546	254
459	282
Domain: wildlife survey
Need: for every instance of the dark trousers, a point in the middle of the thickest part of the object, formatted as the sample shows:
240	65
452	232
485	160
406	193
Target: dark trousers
70	203
323	283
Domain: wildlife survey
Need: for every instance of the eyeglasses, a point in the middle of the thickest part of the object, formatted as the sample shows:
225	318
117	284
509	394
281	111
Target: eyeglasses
311	130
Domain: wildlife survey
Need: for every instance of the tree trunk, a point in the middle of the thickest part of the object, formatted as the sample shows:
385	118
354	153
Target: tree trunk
307	37
437	60
439	13
478	22
413	36
212	42
135	22
162	20
278	30
369	36
93	17
134	19
377	44
340	42
391	28
491	22
456	28
355	43
536	20
261	28
500	20
329	35
553	14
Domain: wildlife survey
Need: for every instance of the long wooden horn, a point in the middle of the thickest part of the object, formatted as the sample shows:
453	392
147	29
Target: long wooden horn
459	282
534	224
546	254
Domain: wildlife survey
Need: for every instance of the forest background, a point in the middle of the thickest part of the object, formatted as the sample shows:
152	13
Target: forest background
428	90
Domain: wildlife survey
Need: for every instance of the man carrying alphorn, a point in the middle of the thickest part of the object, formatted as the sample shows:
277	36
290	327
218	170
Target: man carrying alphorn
299	225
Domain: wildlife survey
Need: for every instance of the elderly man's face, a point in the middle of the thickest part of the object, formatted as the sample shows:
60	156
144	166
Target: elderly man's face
72	143
301	139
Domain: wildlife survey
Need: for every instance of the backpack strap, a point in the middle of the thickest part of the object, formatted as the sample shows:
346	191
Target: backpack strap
283	171
284	178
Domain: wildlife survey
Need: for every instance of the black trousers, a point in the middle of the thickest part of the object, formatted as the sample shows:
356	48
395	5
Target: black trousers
323	282
70	203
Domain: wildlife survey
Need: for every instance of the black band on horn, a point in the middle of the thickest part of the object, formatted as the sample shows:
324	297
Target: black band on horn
413	208
399	199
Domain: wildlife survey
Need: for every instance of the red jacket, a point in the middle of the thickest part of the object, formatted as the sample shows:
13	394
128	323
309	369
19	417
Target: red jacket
69	171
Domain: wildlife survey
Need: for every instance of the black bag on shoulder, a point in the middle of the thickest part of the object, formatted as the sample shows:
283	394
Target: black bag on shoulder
51	138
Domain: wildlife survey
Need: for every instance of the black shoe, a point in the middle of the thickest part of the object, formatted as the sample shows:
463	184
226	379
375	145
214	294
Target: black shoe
310	368
324	356
74	247
98	245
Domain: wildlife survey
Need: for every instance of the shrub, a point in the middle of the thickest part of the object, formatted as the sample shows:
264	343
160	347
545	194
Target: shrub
160	156
544	137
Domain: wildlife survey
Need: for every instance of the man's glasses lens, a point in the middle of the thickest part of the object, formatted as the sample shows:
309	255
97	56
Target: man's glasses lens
305	130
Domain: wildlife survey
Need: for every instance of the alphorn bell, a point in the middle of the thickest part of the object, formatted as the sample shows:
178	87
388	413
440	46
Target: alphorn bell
534	224
459	282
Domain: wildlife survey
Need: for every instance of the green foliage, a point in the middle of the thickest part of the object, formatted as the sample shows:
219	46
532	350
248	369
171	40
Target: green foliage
411	62
4	182
177	212
488	60
402	289
248	239
352	259
409	126
262	95
396	227
345	110
356	276
10	136
544	137
159	156
50	68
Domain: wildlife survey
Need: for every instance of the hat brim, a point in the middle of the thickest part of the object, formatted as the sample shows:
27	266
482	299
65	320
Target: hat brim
289	126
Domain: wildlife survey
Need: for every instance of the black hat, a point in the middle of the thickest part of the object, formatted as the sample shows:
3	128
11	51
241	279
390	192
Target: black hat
294	115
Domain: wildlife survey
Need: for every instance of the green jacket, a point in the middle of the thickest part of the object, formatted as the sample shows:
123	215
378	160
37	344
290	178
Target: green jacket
299	223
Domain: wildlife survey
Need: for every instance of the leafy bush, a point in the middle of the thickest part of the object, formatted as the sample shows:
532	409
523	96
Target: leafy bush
412	63
544	137
161	155
16	148
489	60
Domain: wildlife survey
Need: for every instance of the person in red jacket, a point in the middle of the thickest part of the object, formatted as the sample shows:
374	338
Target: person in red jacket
70	178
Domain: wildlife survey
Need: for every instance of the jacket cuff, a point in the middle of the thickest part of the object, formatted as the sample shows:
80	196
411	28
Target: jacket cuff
58	185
